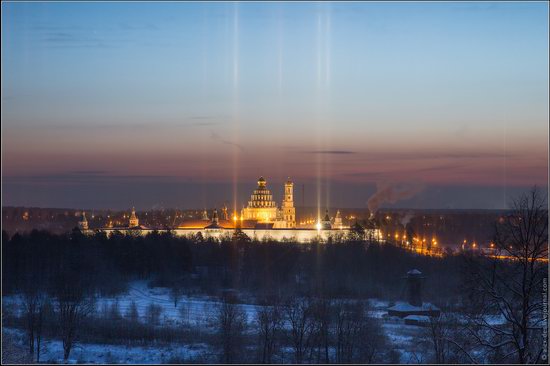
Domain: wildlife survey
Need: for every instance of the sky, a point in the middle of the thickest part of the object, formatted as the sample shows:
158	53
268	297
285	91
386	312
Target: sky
113	105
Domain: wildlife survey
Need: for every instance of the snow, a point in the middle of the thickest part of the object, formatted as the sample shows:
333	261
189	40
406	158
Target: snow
52	352
418	318
495	319
196	310
404	338
405	306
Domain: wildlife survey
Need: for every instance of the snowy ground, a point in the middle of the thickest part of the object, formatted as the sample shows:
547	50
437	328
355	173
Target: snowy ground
194	312
52	352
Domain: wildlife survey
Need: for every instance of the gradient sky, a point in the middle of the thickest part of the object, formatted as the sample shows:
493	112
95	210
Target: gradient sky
108	105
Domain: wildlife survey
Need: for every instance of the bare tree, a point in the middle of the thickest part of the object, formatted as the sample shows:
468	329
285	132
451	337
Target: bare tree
231	323
269	319
509	286
43	318
73	305
30	304
359	338
321	316
132	312
176	292
349	320
438	335
372	340
153	313
298	314
35	304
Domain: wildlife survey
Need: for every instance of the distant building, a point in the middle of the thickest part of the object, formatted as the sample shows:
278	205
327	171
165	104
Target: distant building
262	208
326	224
414	309
133	221
261	219
289	212
225	215
338	220
83	223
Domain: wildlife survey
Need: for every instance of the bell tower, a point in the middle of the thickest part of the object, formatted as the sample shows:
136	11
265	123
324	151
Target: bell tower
134	221
83	223
289	212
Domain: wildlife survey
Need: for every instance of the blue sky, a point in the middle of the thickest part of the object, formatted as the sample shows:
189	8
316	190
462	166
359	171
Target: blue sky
443	94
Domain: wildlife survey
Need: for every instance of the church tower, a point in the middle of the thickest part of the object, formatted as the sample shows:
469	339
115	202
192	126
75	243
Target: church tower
134	221
338	220
326	224
289	212
83	223
225	215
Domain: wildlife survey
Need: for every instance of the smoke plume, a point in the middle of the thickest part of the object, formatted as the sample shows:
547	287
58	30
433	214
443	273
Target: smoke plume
391	193
406	219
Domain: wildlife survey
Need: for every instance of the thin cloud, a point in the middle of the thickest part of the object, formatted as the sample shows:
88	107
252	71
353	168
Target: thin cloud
436	168
115	125
214	136
330	152
432	155
89	177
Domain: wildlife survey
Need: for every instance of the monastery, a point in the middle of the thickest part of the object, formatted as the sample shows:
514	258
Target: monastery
260	220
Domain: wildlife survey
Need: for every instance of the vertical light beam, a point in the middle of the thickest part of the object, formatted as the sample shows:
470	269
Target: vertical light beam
236	117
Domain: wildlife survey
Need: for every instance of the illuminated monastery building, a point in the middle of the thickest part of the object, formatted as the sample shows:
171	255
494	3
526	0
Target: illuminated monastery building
260	219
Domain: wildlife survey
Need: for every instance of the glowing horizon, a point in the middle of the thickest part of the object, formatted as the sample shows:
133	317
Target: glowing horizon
334	95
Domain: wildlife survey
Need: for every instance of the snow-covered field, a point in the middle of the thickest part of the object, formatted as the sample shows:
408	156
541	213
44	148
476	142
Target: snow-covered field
196	311
193	311
52	352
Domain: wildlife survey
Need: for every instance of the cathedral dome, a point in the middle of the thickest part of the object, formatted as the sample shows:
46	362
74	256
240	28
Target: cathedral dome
261	206
261	197
261	182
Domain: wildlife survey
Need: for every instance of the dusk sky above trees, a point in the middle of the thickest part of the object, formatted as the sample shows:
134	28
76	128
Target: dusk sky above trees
117	104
